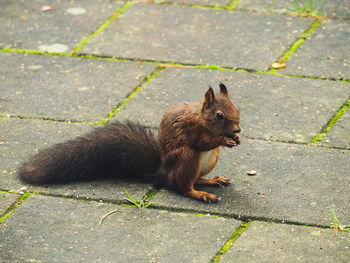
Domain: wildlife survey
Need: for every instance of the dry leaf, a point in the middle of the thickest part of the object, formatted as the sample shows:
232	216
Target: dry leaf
66	71
45	8
278	65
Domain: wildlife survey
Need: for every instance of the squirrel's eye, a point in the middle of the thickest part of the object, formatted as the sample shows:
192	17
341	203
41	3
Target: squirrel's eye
219	116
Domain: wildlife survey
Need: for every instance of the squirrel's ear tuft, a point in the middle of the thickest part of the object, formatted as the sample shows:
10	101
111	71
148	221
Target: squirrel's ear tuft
209	98
223	89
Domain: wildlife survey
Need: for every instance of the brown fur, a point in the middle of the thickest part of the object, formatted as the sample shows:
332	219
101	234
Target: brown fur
187	131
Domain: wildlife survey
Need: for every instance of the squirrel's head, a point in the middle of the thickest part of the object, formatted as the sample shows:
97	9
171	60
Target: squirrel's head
220	115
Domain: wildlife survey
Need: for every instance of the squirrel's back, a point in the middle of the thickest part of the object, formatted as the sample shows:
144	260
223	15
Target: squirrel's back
115	150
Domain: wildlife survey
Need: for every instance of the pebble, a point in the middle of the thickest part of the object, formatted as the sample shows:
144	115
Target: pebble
53	48
251	172
23	189
76	11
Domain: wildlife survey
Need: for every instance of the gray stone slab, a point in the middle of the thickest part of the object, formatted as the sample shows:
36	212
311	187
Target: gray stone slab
325	54
22	138
338	8
339	135
197	36
6	202
201	2
268	242
23	25
294	183
272	107
50	229
65	88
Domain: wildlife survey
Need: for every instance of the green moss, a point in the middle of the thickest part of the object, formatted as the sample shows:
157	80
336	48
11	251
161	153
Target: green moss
232	4
102	27
320	136
36	52
306	34
231	240
19	201
199	5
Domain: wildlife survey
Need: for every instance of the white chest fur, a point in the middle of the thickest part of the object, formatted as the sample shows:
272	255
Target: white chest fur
206	161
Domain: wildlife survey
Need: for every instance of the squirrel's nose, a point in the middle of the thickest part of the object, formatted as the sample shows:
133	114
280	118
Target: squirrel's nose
237	129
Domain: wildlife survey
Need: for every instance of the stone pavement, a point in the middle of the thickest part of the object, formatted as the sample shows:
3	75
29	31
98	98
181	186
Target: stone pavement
69	66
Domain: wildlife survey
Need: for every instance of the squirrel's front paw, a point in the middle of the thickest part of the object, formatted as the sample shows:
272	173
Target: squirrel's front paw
237	138
228	142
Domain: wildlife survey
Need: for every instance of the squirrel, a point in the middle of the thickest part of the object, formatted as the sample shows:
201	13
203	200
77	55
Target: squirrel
186	149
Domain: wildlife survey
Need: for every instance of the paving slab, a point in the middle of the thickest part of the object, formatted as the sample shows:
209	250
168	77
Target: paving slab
272	107
339	135
268	242
65	88
6	202
24	24
46	229
336	8
201	2
22	138
325	54
186	34
294	183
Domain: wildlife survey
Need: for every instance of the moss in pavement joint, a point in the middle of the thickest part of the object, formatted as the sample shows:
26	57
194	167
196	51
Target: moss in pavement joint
231	240
33	51
19	201
168	64
199	5
47	119
232	4
128	98
320	136
102	27
299	41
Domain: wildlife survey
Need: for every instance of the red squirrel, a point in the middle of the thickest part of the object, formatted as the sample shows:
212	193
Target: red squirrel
189	139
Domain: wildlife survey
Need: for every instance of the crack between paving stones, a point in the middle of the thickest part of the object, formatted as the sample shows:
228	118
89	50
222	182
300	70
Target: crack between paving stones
329	125
239	217
193	5
297	43
83	42
232	4
244	219
169	64
19	117
14	206
233	238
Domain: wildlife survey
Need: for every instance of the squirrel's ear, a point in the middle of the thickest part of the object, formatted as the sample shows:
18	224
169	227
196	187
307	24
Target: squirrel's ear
223	89
209	98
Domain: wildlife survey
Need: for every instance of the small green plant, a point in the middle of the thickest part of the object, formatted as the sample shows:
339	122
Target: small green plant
310	7
270	8
306	7
143	203
336	224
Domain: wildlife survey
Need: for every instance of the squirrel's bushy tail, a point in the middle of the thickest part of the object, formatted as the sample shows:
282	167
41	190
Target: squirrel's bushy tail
115	150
